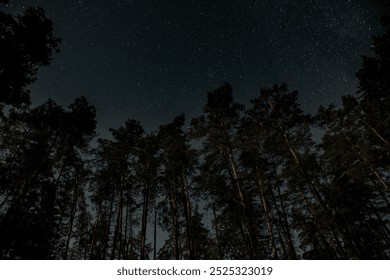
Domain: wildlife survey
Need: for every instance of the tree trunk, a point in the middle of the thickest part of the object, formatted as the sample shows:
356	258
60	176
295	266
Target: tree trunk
282	214
187	215
71	222
108	229
217	235
118	223
274	251
145	210
175	220
155	229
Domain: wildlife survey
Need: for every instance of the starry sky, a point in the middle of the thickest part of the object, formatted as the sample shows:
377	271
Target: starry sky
151	60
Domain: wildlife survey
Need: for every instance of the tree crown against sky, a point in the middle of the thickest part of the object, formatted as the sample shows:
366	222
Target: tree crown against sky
27	43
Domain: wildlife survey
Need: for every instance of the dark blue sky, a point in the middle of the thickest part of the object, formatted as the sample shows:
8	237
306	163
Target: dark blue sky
151	60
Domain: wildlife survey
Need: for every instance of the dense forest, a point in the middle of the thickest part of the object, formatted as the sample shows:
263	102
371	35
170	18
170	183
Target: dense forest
238	182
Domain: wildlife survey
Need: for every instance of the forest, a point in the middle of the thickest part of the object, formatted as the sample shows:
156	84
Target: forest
237	182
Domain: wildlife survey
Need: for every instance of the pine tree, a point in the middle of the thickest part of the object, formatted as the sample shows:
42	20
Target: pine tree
26	44
231	200
178	162
115	189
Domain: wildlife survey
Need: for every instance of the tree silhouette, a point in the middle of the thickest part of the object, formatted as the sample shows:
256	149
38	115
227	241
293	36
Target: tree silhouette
44	167
27	43
178	163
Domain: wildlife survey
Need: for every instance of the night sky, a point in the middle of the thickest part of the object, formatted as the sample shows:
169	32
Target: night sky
151	60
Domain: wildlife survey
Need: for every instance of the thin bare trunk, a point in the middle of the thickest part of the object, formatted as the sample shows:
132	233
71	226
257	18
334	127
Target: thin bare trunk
234	171
71	222
217	235
274	252
118	223
187	216
91	248
145	210
125	235
284	219
108	229
155	229
175	221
